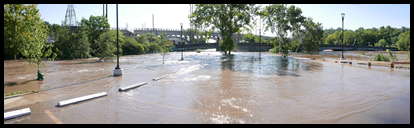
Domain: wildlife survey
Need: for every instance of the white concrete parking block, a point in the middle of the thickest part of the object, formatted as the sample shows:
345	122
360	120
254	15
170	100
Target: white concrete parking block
132	86
16	113
80	99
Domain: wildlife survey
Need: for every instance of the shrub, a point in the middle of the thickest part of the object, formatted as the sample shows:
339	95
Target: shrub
381	57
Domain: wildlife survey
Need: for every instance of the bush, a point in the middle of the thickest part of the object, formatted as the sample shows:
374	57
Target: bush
153	48
132	47
381	57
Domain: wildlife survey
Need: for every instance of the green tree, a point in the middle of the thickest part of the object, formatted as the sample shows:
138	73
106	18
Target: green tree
95	26
313	34
72	43
132	47
227	18
106	44
165	45
25	34
281	20
349	38
403	42
381	43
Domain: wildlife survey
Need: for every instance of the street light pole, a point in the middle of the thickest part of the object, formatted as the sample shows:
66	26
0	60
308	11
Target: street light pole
260	38
182	44
118	70
342	45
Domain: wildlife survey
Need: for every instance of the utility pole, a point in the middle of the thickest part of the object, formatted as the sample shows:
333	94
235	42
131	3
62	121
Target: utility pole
191	26
342	54
260	38
153	27
118	70
106	13
182	44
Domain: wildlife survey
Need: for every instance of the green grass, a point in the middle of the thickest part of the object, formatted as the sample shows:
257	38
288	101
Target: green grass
19	92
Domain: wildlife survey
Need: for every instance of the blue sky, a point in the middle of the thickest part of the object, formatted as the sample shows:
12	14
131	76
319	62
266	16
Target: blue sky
171	15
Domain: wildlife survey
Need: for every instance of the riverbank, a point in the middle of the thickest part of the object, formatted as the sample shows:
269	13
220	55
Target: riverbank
360	58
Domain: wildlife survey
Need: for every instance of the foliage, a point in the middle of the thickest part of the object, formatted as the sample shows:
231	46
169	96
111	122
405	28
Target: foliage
25	33
383	36
310	37
281	20
94	27
72	44
132	47
381	43
403	42
381	57
227	18
106	44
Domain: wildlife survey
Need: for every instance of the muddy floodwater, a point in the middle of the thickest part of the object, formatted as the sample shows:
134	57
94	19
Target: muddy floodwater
208	87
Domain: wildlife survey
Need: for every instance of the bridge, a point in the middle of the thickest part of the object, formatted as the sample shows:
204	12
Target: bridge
175	35
249	47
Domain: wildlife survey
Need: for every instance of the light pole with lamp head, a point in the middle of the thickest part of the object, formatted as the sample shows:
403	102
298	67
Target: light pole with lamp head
182	44
342	44
117	70
260	38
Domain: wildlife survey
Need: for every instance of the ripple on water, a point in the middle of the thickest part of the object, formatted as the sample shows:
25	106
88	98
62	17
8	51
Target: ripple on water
197	78
220	119
190	69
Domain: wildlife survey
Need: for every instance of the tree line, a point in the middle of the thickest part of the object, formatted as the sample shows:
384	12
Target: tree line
94	38
27	36
384	36
292	30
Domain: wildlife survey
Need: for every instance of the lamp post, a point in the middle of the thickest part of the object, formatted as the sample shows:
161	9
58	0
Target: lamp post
260	38
342	44
117	70
182	44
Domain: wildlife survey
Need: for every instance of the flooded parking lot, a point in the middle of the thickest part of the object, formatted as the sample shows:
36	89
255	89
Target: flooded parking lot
208	87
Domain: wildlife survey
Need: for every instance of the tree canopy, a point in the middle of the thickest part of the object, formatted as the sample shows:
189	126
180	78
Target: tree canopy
227	18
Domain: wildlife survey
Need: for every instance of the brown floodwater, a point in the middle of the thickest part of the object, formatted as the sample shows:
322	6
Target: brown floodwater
208	87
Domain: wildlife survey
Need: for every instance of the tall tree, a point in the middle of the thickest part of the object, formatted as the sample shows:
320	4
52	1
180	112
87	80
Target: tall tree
25	34
313	34
281	20
106	44
95	27
227	18
403	42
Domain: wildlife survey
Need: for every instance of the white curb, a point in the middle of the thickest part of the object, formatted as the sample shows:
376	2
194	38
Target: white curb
16	113
131	86
80	99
